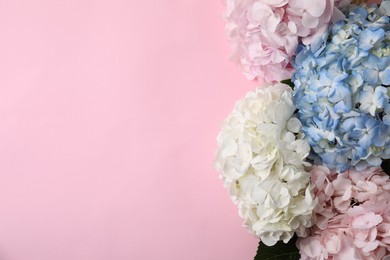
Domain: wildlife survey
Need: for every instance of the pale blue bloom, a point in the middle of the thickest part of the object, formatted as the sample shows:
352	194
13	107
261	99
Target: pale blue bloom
341	90
368	38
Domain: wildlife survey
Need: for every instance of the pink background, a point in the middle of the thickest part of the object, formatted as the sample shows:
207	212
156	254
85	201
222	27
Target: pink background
109	111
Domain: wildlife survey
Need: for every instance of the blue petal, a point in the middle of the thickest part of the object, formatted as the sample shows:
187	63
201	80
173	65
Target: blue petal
371	76
385	76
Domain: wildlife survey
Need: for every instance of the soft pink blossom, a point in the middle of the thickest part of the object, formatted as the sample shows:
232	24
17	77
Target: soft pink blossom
353	215
265	33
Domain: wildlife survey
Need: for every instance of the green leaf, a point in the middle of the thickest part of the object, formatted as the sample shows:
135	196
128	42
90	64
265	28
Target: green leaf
288	82
280	251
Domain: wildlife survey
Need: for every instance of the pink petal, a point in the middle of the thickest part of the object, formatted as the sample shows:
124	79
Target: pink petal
292	27
309	21
370	246
276	3
314	7
367	220
271	23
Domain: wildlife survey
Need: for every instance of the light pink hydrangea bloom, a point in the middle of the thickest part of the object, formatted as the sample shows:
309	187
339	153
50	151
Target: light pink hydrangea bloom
353	215
265	33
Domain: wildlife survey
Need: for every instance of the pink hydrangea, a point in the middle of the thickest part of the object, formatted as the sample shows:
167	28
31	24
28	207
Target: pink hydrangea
265	33
353	215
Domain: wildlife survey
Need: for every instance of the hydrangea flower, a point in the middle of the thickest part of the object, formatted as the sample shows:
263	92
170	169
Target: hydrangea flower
341	90
265	33
261	158
353	215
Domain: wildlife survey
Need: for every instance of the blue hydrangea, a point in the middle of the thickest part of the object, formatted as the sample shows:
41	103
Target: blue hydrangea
342	90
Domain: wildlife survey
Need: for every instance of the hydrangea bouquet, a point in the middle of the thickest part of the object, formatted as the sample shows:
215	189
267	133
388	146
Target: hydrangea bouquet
305	155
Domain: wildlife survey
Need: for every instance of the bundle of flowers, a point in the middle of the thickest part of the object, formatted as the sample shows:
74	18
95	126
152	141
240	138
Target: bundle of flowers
341	90
262	160
304	156
265	33
353	215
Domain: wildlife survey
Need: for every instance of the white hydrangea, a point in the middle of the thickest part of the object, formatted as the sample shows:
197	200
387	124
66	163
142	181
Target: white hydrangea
261	158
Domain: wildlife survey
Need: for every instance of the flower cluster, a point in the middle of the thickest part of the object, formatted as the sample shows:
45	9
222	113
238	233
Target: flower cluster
337	118
265	33
341	90
261	158
353	215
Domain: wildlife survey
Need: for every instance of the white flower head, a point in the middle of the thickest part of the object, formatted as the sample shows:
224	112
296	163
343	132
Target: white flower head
261	159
